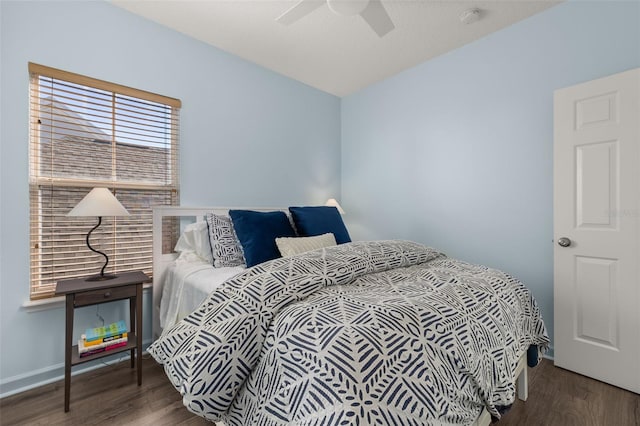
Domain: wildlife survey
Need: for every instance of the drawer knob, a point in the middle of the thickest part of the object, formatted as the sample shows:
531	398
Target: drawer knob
107	294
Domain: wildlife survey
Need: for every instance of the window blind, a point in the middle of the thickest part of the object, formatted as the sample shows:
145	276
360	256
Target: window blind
86	133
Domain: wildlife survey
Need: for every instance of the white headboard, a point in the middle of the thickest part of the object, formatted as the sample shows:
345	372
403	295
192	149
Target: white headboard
161	261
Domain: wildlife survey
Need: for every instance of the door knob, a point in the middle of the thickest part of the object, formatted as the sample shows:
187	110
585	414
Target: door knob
564	242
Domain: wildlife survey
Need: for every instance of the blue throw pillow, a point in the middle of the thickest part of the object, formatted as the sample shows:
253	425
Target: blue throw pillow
257	232
311	221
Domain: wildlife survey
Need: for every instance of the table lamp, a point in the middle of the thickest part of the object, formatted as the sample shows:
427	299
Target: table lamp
99	202
331	202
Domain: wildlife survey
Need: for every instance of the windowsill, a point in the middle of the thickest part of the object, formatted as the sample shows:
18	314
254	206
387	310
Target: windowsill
39	305
43	304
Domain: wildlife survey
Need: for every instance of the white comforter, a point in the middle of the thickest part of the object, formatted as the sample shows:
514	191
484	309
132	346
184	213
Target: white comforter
186	285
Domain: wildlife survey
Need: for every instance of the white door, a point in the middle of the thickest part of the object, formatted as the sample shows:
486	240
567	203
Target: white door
597	212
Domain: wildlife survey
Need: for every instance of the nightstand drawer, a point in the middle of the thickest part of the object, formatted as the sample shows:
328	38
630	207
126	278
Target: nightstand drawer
104	295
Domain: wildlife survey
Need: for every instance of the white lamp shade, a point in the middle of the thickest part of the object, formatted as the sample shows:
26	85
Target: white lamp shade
333	203
99	202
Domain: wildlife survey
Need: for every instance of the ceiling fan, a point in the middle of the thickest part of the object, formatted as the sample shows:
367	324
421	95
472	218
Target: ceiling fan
372	11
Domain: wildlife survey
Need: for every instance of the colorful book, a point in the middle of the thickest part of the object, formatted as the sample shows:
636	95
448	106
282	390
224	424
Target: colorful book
82	345
107	331
87	352
104	340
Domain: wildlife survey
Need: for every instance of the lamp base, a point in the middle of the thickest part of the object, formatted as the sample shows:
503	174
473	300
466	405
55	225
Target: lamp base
104	277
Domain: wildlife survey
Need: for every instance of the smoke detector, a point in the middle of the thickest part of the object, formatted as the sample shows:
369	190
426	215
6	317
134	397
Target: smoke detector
470	16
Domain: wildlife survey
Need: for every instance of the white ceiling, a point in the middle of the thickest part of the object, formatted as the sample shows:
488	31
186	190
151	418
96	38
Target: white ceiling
333	53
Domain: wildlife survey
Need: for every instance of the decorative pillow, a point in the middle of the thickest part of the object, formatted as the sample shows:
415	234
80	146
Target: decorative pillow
290	246
257	232
310	221
195	239
225	246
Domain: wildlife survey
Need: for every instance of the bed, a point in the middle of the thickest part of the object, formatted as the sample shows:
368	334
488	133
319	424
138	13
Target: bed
388	332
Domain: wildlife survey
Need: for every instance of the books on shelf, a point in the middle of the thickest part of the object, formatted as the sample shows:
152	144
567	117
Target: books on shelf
106	331
102	339
91	350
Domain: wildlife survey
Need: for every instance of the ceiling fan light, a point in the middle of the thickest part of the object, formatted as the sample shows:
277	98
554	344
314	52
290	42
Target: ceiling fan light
347	7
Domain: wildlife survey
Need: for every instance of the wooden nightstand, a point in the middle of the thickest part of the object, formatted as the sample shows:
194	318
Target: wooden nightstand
80	292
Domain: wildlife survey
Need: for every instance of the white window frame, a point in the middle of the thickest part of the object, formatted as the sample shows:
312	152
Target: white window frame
41	287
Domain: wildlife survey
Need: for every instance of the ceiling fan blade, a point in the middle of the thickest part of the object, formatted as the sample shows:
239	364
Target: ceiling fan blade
300	10
377	18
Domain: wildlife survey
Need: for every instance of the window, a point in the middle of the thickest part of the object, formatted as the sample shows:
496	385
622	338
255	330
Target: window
86	133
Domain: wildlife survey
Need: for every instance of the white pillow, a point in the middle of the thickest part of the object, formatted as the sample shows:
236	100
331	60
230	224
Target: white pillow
195	238
289	246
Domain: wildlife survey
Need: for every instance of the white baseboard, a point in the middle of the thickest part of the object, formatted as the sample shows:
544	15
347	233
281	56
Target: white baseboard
43	376
549	354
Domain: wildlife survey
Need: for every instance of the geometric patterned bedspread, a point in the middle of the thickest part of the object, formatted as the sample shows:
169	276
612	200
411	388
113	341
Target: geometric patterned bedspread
365	333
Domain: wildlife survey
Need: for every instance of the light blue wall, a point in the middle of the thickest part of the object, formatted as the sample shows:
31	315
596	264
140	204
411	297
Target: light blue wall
457	152
248	137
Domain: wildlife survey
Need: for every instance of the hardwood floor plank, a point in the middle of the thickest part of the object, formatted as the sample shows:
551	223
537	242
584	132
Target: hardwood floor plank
111	396
559	397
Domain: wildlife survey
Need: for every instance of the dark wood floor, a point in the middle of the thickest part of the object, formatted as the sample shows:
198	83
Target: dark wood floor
110	396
